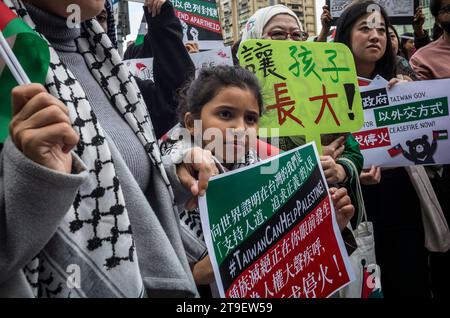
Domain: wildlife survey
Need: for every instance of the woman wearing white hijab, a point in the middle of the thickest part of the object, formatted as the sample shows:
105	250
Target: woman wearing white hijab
274	22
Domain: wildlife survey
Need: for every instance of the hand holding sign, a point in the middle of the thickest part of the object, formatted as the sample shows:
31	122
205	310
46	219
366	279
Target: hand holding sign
343	206
194	173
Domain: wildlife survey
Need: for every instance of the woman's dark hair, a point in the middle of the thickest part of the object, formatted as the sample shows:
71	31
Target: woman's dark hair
384	66
396	34
209	82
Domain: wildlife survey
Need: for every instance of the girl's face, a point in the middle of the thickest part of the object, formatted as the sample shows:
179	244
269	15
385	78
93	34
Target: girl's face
394	40
234	113
368	42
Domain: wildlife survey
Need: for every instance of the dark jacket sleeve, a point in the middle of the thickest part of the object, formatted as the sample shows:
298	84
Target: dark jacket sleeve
172	67
420	42
138	51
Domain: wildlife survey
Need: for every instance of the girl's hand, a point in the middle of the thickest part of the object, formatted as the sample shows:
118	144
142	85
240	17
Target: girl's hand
194	173
370	176
203	272
41	128
334	172
343	206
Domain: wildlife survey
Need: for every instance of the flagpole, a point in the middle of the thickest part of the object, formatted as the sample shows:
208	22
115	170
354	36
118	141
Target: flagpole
12	62
11	67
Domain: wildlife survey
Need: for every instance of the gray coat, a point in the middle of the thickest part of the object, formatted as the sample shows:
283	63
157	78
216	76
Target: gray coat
34	200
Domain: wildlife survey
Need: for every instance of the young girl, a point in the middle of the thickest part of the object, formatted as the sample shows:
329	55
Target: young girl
228	100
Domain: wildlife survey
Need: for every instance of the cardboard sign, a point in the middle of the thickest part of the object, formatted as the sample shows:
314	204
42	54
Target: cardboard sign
406	125
275	235
309	88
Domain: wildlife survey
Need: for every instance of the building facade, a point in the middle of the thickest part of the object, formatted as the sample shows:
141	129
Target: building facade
235	13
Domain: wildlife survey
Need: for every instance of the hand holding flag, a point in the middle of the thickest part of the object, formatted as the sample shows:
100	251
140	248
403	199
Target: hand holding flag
27	62
41	128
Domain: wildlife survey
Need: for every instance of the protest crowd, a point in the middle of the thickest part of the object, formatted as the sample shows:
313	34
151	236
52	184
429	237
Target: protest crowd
111	175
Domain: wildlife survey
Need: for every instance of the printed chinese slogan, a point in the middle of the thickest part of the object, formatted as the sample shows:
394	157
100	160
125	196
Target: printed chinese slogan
309	88
407	125
200	22
275	235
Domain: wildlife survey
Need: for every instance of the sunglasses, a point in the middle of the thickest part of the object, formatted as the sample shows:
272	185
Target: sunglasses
283	35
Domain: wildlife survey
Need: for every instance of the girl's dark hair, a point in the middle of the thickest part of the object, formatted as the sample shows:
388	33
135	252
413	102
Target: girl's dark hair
209	82
384	66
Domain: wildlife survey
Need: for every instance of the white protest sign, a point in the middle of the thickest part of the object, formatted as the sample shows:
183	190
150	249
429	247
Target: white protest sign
143	68
406	125
210	58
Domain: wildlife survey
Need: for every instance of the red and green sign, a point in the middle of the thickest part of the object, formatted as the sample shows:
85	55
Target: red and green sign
275	235
200	21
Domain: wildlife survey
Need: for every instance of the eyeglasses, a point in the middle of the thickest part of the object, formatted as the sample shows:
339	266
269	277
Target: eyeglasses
283	35
445	9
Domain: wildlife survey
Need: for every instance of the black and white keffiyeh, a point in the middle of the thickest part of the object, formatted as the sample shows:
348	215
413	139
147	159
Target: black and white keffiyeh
175	148
95	234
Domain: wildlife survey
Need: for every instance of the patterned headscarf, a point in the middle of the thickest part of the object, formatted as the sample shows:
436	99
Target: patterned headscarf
255	25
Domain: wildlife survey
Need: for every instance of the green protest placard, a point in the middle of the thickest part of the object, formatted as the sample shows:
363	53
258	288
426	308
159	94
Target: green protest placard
309	88
275	234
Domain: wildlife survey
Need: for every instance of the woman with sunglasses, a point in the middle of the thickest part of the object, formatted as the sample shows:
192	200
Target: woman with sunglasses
280	23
